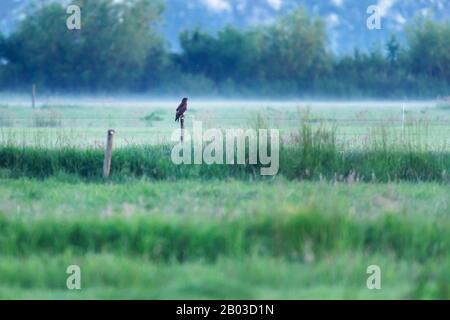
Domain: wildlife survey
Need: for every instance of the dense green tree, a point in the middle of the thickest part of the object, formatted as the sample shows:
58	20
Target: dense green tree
392	47
2	59
2	45
232	54
197	52
110	51
429	48
295	48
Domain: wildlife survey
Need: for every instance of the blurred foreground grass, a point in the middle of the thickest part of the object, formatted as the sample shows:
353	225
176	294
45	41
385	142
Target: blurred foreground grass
223	239
106	276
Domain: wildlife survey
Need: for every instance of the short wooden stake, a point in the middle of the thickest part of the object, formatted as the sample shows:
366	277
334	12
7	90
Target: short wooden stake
33	96
182	128
108	153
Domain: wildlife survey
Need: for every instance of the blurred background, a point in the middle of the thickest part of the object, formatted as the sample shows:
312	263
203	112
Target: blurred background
261	48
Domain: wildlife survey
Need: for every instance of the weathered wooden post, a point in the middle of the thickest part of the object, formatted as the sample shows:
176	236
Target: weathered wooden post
182	128
33	96
108	153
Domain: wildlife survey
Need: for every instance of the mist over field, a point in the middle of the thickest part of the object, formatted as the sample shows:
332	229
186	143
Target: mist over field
107	100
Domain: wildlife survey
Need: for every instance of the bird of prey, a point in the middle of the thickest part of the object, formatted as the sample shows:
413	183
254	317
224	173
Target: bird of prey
181	109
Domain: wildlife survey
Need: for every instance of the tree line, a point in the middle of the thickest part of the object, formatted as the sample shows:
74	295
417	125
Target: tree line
119	48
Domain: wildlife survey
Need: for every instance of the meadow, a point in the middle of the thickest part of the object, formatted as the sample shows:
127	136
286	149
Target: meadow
360	183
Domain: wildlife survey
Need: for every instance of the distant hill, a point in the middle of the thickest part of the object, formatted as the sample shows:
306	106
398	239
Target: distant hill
346	19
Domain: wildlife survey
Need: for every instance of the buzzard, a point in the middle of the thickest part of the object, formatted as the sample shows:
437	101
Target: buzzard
181	109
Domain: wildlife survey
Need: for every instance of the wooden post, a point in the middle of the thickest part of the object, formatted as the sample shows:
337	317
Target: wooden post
33	96
108	153
182	128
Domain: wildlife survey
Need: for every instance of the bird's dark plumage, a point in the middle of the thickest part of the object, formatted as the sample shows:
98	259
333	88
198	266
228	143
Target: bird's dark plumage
181	109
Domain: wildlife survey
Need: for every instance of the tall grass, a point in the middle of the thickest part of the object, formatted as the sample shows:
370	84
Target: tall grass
47	118
6	120
337	277
290	235
312	162
313	153
444	105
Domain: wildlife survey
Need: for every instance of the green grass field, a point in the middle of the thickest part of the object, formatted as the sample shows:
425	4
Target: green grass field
372	195
62	122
